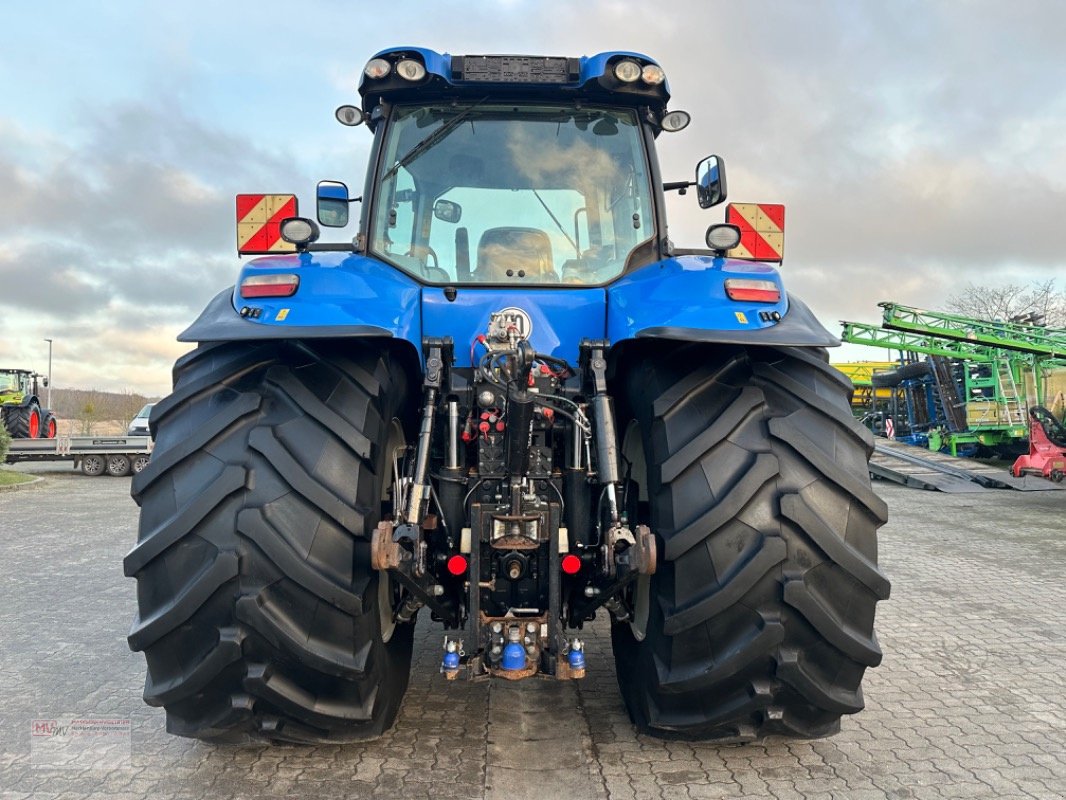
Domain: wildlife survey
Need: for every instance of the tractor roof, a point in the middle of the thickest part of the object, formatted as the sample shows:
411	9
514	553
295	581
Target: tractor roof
476	77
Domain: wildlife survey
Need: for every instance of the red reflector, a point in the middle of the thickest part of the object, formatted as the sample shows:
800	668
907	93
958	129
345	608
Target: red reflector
277	285
457	565
752	291
571	564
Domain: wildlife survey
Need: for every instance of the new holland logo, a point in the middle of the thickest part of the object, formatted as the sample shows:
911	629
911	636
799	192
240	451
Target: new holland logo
510	322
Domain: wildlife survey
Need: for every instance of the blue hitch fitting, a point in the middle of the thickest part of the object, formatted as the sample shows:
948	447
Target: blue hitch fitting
450	664
514	654
575	659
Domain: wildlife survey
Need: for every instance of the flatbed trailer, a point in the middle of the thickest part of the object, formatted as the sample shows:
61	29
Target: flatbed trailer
93	455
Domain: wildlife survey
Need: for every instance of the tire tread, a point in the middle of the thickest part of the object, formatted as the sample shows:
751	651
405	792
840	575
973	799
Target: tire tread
771	502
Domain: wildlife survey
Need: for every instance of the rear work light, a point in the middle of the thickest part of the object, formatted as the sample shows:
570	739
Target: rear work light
653	74
298	231
675	121
723	237
276	285
752	290
377	68
627	71
410	70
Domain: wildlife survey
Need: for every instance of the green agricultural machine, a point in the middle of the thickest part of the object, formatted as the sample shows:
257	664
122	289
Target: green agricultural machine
972	391
20	405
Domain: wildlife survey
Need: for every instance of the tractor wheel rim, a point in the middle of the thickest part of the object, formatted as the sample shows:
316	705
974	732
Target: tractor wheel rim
35	425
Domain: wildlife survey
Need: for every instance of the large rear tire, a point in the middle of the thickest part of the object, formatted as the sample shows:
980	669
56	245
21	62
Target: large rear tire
259	614
24	422
759	619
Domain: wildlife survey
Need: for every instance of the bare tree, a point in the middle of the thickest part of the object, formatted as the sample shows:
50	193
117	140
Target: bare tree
1010	300
90	408
92	411
121	406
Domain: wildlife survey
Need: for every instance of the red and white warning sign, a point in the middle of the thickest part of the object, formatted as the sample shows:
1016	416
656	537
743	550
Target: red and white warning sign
259	219
762	230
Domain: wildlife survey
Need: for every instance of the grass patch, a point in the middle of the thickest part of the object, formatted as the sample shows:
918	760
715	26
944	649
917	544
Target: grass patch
9	478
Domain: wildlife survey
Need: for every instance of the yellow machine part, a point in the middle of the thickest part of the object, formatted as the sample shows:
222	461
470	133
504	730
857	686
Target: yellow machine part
861	375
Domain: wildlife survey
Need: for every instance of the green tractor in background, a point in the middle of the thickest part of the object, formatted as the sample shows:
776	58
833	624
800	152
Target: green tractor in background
20	405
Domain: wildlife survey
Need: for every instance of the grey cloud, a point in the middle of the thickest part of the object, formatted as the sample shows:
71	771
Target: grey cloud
142	214
72	282
181	284
149	179
49	279
164	132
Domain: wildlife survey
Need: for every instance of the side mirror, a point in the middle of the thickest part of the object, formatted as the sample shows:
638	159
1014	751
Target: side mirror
44	382
447	211
710	181
333	202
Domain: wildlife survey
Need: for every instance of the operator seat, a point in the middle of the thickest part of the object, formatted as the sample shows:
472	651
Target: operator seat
504	254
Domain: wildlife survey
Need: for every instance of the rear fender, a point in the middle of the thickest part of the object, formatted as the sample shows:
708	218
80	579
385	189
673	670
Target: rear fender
26	401
684	299
341	295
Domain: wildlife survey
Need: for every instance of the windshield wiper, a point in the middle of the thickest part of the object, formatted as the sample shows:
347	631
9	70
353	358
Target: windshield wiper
432	139
558	224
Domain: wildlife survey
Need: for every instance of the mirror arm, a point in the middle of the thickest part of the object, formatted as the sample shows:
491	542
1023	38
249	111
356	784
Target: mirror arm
681	187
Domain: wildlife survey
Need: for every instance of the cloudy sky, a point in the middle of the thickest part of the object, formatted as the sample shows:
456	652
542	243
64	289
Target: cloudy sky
916	145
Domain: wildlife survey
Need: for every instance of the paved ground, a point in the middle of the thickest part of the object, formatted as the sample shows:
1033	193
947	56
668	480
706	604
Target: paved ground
969	702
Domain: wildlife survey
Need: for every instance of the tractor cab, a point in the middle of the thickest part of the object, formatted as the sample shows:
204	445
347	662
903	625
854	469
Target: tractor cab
9	382
15	384
544	194
514	170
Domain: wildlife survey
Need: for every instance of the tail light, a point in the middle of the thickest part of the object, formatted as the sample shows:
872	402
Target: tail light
754	291
275	285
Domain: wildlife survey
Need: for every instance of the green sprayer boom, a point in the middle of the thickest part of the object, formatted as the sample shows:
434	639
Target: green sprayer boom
863	333
1034	339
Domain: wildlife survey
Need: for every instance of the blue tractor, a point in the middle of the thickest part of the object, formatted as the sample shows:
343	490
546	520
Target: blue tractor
512	403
